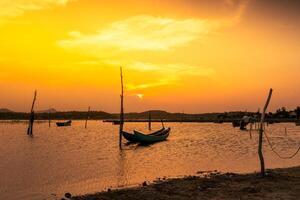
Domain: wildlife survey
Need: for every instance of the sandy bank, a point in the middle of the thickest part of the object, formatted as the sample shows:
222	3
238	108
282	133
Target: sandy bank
278	184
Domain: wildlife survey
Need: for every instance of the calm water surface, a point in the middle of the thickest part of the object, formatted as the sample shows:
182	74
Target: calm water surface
77	160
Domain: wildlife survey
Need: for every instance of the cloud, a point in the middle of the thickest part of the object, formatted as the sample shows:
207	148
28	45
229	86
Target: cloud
182	69
116	43
149	33
13	8
174	68
166	74
141	33
157	83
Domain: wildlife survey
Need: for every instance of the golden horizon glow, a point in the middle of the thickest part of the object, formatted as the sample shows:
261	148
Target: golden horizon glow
200	56
140	96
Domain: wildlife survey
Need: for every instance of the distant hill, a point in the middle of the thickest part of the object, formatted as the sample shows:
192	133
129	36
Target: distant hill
155	112
5	110
156	115
51	110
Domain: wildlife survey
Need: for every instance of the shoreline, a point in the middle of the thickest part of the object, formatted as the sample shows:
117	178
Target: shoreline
117	122
282	183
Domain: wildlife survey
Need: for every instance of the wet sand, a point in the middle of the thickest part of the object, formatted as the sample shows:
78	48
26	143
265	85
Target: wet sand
278	184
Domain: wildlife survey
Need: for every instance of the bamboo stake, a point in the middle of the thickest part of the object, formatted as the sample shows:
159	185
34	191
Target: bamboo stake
49	118
261	131
285	131
250	132
149	121
122	110
87	117
162	123
31	118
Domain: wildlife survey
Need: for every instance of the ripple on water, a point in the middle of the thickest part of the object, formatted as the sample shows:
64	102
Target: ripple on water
78	160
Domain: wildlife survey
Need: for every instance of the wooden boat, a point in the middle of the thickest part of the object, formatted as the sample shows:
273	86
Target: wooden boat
132	138
116	122
67	123
243	125
236	123
147	139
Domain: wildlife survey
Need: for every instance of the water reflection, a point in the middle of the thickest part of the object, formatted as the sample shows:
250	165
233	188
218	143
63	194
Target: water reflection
122	169
78	160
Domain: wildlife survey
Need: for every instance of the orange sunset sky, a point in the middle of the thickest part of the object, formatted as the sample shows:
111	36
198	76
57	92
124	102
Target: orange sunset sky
191	55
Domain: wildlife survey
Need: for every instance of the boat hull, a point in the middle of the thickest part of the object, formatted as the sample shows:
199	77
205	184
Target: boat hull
129	137
132	137
147	139
60	124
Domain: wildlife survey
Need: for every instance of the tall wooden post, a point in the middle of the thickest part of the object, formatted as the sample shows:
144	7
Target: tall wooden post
87	117
49	118
261	131
149	121
31	118
122	110
162	123
250	132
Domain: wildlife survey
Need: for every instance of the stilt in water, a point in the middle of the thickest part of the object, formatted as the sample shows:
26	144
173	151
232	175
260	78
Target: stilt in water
122	110
87	117
162	123
149	121
250	131
261	131
285	131
49	118
31	118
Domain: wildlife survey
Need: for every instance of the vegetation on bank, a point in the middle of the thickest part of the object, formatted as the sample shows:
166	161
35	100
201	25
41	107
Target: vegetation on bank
281	115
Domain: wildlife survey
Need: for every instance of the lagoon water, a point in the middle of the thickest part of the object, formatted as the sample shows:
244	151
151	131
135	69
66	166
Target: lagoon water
78	160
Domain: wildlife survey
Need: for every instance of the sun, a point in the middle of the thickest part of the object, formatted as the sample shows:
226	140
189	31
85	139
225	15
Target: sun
140	96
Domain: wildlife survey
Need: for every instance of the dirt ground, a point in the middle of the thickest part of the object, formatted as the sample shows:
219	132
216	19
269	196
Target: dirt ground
278	184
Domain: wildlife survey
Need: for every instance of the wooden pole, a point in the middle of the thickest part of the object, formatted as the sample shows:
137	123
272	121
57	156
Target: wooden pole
250	132
122	110
49	118
261	130
87	117
285	131
149	121
162	123
31	117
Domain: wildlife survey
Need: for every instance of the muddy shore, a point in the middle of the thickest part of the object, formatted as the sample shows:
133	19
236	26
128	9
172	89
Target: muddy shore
278	184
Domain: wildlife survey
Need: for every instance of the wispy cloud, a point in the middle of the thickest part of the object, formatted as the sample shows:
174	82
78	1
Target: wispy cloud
174	68
157	83
115	43
150	33
14	8
167	74
178	68
141	32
